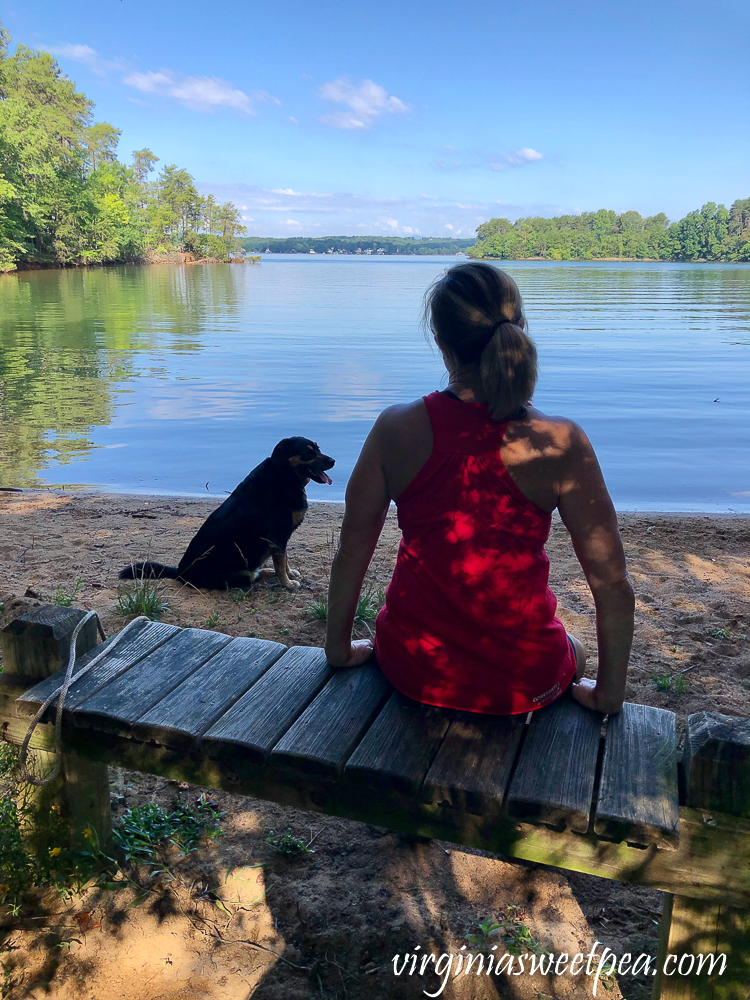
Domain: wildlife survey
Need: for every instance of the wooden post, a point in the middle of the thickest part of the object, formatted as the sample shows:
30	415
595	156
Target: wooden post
35	646
716	763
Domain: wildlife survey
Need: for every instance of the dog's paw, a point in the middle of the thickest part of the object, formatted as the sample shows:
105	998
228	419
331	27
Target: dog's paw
295	573
291	585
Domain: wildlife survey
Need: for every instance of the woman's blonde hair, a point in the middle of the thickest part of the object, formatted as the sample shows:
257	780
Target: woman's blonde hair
475	313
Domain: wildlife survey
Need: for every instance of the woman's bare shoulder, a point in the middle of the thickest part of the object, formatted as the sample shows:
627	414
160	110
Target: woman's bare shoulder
555	436
403	417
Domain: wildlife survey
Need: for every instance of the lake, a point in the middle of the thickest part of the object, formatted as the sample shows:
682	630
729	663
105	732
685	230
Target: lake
179	379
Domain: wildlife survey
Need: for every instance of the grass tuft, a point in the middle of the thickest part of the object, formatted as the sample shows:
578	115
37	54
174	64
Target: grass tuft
147	829
145	597
726	633
286	843
63	599
318	608
676	683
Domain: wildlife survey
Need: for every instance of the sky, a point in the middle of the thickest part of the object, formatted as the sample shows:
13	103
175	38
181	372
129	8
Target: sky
418	117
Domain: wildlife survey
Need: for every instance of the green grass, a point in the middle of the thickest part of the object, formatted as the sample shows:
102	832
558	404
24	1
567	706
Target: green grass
370	602
63	599
680	684
213	620
318	608
237	595
286	843
142	597
482	932
676	683
518	937
146	830
725	633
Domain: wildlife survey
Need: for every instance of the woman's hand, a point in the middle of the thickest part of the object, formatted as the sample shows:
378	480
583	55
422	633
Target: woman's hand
590	695
359	652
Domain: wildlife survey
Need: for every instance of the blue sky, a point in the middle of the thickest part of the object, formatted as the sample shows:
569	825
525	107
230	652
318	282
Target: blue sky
421	117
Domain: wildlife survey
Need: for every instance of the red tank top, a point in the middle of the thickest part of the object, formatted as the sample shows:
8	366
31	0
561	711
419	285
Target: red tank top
469	619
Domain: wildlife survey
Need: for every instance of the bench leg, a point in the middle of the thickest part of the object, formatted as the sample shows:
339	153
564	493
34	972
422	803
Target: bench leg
694	927
35	646
72	811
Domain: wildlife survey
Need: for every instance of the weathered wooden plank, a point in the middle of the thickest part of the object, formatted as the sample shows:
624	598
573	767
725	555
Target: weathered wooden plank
716	762
554	778
638	797
142	640
183	716
263	714
397	750
322	739
123	701
474	763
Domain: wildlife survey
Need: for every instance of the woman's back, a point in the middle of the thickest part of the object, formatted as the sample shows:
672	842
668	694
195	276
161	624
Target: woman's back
469	620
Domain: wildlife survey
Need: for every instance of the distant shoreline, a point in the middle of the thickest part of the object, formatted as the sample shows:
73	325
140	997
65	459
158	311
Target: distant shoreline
410	256
89	492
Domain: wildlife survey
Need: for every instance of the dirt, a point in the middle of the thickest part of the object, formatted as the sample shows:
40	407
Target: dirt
327	924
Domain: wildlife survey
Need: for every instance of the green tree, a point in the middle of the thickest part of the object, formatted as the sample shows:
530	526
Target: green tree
101	140
43	123
143	163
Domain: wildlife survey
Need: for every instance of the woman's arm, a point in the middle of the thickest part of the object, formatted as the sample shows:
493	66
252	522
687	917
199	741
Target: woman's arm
589	515
367	504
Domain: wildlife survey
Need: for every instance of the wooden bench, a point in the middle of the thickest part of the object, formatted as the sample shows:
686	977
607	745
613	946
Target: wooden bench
565	787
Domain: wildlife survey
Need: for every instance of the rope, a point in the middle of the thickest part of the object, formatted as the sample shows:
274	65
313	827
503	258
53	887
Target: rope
61	694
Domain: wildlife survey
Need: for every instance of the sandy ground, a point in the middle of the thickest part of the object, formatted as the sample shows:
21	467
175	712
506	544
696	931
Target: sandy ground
327	924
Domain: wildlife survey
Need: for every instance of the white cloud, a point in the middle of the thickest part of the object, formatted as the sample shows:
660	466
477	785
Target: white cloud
292	120
527	155
390	223
297	194
448	226
366	101
83	54
518	158
199	93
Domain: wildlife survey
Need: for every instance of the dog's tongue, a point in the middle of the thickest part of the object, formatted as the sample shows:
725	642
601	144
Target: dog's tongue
326	478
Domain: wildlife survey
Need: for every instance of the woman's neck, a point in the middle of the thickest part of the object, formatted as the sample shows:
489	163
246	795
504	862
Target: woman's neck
467	391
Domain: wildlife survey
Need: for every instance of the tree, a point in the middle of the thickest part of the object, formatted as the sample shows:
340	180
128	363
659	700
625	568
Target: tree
143	164
101	140
43	123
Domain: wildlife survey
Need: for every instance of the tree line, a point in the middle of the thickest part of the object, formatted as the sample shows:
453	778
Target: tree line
353	244
65	197
713	233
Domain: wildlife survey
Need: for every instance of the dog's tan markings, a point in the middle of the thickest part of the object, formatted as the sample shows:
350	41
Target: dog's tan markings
282	570
298	516
295	460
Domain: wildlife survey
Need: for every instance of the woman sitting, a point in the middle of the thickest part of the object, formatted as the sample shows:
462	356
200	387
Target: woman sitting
475	472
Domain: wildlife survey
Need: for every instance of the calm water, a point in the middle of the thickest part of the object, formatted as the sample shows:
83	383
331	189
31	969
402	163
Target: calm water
164	379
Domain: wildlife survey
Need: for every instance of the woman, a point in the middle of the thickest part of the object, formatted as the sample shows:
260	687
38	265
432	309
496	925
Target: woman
475	472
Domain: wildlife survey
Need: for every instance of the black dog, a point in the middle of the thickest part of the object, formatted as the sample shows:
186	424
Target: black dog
254	522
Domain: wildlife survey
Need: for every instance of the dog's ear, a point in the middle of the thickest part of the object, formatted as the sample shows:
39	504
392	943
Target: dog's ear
288	449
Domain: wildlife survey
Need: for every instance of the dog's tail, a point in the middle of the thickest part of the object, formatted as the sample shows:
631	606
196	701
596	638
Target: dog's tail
148	571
